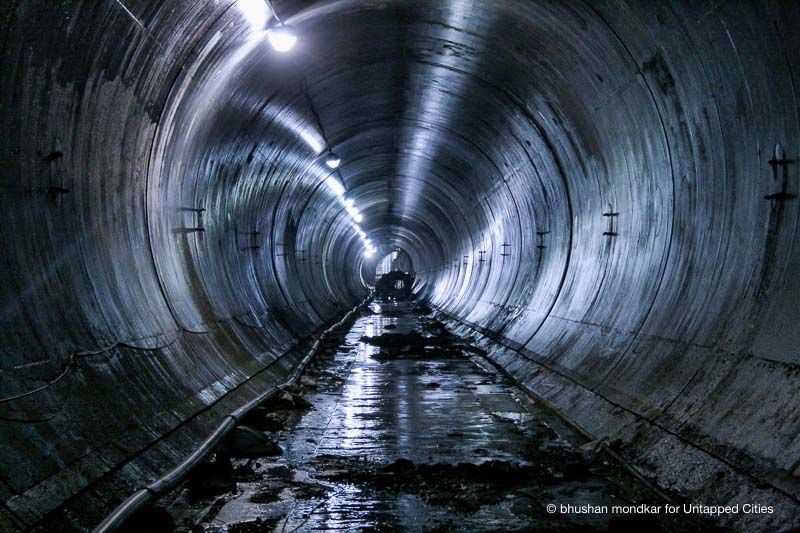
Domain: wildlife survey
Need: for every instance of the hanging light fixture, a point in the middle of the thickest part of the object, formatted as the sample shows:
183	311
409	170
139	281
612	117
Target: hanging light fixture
282	37
332	160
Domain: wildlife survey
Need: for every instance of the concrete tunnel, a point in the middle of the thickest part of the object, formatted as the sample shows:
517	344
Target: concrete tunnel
607	188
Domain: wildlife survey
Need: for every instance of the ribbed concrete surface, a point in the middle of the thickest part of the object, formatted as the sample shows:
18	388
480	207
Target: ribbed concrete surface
463	126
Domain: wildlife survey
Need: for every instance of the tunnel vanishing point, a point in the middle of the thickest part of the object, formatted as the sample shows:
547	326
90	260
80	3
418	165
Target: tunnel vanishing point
608	188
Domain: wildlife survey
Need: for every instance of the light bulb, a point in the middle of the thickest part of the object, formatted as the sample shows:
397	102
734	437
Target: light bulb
282	37
332	160
255	11
358	217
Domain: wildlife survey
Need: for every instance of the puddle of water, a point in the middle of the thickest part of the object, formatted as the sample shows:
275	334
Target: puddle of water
405	442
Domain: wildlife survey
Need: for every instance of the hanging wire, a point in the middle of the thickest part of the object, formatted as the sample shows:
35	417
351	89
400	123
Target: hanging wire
73	361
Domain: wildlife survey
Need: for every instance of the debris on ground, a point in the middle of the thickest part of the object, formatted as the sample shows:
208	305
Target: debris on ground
259	525
462	486
212	477
416	345
322	453
300	402
422	308
265	419
307	381
155	518
281	400
248	442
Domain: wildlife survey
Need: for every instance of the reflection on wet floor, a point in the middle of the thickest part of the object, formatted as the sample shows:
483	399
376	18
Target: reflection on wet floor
409	430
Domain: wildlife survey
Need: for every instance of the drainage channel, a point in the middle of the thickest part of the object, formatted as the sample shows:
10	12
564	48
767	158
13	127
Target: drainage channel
399	425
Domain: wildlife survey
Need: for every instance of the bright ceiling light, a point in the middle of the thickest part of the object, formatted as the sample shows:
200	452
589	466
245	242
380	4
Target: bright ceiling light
332	160
255	11
358	217
348	202
281	37
369	253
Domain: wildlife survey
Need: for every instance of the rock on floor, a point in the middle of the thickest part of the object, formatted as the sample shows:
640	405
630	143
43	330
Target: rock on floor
248	442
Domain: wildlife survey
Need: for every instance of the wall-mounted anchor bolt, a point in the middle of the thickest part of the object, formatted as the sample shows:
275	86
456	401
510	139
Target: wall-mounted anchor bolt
504	253
540	235
200	227
52	156
611	216
481	253
466	258
254	240
779	160
55	191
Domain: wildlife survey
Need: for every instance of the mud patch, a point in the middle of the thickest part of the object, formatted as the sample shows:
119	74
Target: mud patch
259	525
463	486
436	345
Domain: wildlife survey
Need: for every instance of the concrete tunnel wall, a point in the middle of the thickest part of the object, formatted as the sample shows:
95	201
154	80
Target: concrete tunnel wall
463	127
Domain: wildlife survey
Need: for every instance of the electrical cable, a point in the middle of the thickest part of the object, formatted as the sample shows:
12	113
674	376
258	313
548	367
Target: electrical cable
72	363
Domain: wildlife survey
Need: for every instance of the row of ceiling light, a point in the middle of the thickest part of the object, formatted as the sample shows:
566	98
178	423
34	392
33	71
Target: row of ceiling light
332	161
282	38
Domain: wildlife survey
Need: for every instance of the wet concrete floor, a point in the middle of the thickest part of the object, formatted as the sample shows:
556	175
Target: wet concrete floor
404	427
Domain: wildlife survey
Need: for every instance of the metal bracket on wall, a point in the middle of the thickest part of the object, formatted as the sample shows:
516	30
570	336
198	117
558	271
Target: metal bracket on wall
56	172
503	252
54	192
254	241
466	258
540	235
611	216
52	156
779	160
198	211
481	253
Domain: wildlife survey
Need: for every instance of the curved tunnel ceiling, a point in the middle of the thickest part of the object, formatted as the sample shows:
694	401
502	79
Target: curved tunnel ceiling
589	183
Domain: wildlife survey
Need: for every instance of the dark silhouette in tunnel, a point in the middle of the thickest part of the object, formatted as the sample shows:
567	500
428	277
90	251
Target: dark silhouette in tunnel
394	285
607	188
